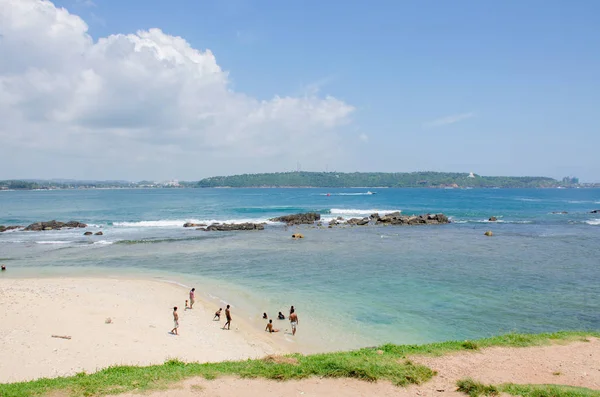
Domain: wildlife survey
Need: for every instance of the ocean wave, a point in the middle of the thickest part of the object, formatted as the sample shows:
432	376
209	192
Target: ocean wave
528	199
166	240
488	221
167	223
369	193
354	211
593	222
103	242
54	242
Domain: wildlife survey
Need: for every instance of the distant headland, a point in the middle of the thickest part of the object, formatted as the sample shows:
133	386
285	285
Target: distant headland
301	179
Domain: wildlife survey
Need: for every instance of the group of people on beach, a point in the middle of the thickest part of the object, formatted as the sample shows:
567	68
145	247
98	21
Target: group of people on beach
189	304
293	321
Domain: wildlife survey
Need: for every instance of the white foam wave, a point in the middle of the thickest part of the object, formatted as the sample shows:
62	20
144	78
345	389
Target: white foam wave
528	199
54	242
177	223
369	193
353	211
593	222
102	242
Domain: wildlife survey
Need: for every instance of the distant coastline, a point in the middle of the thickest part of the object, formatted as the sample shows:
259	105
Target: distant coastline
356	180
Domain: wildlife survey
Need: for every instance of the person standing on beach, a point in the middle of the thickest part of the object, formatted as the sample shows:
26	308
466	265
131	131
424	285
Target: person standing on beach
175	321
293	321
192	297
228	317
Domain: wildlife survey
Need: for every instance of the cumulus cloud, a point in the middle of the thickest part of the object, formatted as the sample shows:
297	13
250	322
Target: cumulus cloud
455	118
140	105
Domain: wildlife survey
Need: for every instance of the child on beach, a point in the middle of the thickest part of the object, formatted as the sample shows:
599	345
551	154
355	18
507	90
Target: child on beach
175	321
186	305
218	314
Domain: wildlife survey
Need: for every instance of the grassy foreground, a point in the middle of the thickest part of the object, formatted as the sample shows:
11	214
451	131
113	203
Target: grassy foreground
387	362
476	389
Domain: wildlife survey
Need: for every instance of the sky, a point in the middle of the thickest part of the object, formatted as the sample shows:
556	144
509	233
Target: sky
186	89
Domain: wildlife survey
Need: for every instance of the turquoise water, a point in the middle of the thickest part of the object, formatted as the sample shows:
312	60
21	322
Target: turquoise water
352	286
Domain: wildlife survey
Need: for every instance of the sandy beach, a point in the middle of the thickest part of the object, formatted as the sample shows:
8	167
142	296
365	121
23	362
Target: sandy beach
34	309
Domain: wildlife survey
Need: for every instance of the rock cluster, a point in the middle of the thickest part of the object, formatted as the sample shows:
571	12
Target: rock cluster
298	219
595	212
228	227
54	225
395	218
190	224
7	228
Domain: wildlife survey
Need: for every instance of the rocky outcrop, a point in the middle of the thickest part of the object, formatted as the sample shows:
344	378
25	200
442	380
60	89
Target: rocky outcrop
7	228
99	233
54	225
492	219
298	219
228	227
395	218
595	212
190	224
88	233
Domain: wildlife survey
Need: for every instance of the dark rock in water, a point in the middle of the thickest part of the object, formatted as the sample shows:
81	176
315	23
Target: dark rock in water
228	227
339	218
374	216
363	221
595	212
88	233
333	222
189	224
353	221
492	219
7	228
298	219
54	225
99	233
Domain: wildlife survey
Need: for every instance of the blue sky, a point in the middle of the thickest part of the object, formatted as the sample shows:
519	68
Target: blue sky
494	87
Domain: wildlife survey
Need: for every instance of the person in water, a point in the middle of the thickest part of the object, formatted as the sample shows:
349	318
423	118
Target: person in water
265	316
293	322
270	327
280	316
218	314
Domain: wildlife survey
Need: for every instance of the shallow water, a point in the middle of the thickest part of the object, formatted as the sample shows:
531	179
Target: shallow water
351	286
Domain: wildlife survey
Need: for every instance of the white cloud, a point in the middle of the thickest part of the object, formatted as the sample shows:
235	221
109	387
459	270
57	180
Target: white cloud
363	137
139	105
448	120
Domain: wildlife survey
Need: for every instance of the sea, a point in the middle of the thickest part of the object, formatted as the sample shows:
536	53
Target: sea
351	286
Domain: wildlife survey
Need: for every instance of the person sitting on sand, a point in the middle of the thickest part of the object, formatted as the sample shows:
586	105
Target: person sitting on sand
293	322
270	327
175	321
265	316
218	314
228	317
192	297
280	316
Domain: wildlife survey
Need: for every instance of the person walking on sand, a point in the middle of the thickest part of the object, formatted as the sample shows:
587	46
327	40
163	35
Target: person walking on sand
228	317
270	327
293	321
192	297
175	321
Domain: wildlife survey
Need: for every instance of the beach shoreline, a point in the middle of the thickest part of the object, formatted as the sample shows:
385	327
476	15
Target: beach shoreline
140	313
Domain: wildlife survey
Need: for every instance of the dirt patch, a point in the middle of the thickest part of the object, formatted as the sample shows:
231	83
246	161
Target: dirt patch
280	360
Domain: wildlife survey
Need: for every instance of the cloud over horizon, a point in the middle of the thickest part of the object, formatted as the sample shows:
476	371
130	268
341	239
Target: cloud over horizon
140	105
455	118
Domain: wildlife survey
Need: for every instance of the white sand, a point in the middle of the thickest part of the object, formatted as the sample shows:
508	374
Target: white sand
35	309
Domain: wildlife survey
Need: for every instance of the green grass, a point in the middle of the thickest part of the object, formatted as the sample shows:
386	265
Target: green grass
388	362
476	389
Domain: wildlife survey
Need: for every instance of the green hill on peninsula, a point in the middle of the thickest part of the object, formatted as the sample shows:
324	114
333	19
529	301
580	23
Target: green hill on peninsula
377	179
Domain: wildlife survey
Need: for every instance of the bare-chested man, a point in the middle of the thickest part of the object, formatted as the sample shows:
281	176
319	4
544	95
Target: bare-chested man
175	321
293	321
228	317
270	327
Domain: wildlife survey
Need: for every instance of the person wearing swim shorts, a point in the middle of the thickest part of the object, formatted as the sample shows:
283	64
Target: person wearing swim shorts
293	321
270	327
228	317
175	321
